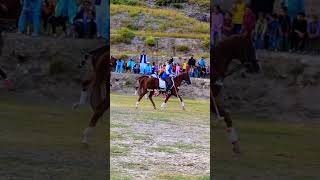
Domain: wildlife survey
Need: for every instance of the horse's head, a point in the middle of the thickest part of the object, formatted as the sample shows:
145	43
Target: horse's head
86	57
186	78
250	61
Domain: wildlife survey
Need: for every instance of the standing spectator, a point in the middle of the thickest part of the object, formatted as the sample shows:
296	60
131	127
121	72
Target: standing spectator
285	27
299	32
239	9
149	69
249	22
260	31
131	64
66	10
31	13
227	25
294	7
154	68
217	25
314	33
177	69
101	13
48	10
84	21
191	62
119	66
143	62
273	33
202	67
184	65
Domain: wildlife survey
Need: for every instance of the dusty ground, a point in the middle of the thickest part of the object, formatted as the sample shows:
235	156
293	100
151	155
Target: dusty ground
148	144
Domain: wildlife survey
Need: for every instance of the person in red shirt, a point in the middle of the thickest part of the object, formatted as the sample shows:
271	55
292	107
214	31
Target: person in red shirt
249	23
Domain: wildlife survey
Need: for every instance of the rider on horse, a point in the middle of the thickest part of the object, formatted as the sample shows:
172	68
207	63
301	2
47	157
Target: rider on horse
167	75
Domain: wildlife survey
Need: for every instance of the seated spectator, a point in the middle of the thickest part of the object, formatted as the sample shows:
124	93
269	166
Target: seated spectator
314	33
260	31
285	27
249	21
227	25
217	25
299	33
273	32
30	13
48	10
84	22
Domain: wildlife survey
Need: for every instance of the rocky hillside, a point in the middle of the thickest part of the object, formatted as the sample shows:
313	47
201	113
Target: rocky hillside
161	30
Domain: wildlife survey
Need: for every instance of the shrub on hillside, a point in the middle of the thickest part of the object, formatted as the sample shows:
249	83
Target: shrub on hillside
169	2
124	35
150	41
182	48
126	2
206	43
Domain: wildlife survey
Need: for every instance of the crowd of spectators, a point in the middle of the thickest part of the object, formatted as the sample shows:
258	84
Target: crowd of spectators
80	19
142	65
289	29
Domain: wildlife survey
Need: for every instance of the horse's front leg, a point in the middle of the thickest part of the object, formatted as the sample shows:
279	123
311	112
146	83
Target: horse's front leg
150	97
140	97
164	104
182	103
233	136
98	113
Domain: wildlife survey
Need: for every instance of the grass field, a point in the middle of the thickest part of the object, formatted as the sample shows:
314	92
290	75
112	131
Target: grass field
149	144
41	141
271	150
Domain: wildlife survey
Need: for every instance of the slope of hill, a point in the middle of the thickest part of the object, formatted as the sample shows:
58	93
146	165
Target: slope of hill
164	30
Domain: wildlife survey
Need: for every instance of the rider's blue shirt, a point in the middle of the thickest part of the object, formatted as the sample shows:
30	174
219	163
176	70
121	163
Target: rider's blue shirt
168	71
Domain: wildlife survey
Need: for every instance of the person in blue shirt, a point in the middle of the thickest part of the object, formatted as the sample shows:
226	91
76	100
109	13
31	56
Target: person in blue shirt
149	68
118	65
130	64
202	65
30	13
101	13
273	32
168	74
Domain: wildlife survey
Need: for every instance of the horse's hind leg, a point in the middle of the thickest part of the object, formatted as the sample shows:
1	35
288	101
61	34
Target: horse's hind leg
150	97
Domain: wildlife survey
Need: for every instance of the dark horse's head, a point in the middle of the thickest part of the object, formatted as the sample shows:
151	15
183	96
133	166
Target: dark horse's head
250	60
185	77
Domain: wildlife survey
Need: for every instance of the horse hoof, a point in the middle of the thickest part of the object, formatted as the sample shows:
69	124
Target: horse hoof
75	106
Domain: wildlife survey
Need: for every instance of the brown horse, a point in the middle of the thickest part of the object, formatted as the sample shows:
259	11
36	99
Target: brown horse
151	84
236	47
99	85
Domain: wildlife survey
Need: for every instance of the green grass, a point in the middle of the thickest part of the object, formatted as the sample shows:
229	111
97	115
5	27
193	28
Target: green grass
42	140
181	177
119	150
271	150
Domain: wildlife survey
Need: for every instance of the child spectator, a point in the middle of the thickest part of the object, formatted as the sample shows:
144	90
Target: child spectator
217	25
239	9
227	25
299	33
184	65
314	33
273	32
260	31
249	22
177	69
285	26
31	13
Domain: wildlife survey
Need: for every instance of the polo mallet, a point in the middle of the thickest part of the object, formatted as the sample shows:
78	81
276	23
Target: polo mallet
215	106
